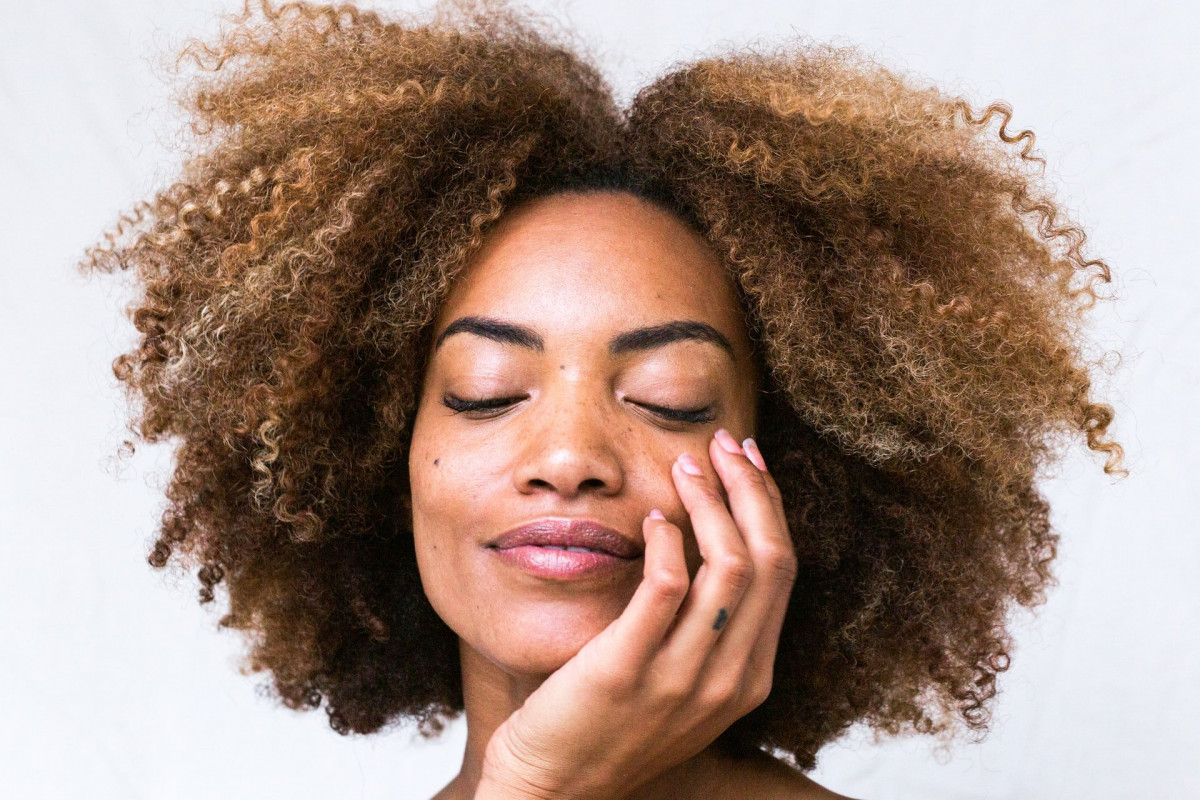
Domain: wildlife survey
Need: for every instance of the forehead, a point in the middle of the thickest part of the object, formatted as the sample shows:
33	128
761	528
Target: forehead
572	264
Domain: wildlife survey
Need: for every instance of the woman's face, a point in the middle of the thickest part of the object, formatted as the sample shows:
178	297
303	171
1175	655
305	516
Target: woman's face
606	339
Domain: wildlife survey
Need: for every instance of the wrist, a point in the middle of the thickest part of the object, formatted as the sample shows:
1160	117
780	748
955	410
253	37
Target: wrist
503	778
507	777
501	788
493	790
498	784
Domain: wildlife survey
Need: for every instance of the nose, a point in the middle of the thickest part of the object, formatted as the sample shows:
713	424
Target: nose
568	448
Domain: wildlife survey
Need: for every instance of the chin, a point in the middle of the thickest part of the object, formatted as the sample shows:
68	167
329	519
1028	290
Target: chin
541	637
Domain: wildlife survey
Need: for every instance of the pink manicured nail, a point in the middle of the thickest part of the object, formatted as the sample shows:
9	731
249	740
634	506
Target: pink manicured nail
689	464
754	454
655	514
727	442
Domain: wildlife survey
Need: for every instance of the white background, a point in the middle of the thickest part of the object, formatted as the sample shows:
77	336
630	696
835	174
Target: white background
114	682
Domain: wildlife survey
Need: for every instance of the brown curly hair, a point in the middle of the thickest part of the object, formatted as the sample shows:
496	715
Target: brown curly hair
916	294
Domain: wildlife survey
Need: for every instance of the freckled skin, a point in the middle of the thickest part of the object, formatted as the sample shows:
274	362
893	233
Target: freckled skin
579	269
577	439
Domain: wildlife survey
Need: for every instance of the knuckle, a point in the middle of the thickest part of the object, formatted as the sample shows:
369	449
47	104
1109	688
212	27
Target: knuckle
736	569
721	692
668	584
781	564
758	690
748	475
675	692
772	489
708	495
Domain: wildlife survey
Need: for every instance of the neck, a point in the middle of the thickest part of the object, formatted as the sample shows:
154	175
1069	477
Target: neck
491	695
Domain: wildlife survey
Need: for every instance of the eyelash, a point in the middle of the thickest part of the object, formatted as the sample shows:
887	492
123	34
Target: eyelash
690	416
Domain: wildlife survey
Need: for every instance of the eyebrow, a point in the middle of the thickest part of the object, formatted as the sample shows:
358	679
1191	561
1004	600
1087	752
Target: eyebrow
635	340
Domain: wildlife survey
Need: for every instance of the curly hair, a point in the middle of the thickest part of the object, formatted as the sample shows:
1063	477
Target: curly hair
916	293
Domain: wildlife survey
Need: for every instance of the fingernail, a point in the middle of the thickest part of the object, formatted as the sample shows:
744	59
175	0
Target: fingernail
727	442
655	514
754	454
689	464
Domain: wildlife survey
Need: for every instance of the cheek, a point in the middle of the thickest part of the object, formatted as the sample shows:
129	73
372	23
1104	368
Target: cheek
432	518
447	555
450	483
436	467
450	480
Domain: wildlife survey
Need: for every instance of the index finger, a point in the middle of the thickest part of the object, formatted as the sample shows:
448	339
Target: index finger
651	611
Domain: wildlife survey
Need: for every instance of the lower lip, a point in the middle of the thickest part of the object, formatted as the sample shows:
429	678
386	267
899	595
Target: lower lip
548	562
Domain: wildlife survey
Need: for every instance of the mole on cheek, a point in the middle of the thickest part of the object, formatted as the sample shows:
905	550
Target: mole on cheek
436	461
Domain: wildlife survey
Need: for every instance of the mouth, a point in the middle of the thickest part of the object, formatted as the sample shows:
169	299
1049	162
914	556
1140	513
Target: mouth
566	548
570	549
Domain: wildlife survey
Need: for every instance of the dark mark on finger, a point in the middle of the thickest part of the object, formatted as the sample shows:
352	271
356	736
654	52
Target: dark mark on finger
722	618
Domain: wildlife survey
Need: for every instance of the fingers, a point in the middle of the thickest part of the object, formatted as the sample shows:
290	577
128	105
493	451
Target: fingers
655	603
727	623
724	576
754	501
757	507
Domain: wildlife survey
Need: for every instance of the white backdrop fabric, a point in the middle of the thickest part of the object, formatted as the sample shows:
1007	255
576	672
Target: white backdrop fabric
116	683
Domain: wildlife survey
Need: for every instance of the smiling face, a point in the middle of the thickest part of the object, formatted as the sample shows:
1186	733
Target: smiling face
603	338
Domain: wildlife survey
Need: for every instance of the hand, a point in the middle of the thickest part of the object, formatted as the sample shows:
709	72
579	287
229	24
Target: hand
680	664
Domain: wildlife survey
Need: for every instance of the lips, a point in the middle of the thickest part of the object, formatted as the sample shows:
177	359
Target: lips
569	535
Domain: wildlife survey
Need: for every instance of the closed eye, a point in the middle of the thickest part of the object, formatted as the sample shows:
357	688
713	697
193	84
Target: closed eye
694	416
485	408
460	405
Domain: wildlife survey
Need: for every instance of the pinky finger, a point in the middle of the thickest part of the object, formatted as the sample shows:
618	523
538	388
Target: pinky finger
651	611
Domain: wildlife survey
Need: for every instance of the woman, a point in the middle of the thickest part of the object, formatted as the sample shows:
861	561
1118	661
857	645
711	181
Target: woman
437	327
631	348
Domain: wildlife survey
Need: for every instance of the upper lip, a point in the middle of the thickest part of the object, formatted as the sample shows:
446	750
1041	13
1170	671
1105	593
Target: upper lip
569	533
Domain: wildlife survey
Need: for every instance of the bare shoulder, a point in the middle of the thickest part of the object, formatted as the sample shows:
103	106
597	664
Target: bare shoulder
768	778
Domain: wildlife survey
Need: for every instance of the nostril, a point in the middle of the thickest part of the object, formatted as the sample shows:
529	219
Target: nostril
584	485
567	468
